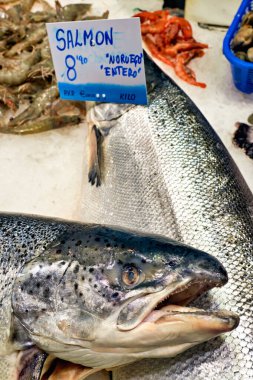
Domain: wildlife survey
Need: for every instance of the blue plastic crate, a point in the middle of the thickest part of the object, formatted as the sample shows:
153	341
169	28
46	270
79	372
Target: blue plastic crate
242	71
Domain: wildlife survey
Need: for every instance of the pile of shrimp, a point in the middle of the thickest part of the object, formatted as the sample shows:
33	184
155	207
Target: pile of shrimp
170	39
29	97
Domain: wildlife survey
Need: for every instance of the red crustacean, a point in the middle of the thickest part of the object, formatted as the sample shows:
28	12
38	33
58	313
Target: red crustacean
153	49
172	51
154	28
170	39
157	24
184	25
171	33
146	16
185	72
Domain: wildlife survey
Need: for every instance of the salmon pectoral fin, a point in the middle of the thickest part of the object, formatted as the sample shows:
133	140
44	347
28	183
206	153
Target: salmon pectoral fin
62	370
29	364
95	141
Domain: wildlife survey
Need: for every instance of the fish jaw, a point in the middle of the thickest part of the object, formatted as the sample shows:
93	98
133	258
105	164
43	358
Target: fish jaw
197	273
164	332
167	333
213	323
169	305
166	327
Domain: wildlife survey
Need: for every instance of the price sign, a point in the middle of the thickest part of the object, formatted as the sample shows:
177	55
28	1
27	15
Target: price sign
100	60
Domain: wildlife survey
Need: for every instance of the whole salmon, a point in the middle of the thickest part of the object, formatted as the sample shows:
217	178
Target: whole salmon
166	171
98	296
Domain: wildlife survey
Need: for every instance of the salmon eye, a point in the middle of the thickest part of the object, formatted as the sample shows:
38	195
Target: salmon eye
130	275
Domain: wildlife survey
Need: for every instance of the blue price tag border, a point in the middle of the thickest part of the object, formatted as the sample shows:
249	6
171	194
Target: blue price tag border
109	93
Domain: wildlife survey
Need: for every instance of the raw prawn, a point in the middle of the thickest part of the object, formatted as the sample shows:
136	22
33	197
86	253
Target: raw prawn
71	12
145	16
28	90
171	33
42	70
172	51
104	16
155	52
8	98
35	36
157	27
167	38
184	25
159	24
67	107
42	125
42	16
148	16
41	102
15	71
6	28
185	72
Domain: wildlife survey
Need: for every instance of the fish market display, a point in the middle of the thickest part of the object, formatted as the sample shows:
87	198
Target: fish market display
29	98
101	297
242	43
166	171
243	138
170	39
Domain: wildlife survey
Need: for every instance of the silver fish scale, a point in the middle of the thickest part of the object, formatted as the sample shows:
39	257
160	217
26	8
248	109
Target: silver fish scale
20	240
167	172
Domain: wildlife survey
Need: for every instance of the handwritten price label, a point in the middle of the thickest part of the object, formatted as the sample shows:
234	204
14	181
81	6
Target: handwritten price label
100	60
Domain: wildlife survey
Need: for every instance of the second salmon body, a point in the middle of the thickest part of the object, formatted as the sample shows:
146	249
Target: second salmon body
168	172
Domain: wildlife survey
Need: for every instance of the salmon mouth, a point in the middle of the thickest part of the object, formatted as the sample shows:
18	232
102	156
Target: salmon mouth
175	308
185	294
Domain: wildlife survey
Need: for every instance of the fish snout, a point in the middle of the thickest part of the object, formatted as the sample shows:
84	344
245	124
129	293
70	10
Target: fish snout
206	268
232	320
195	272
211	268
